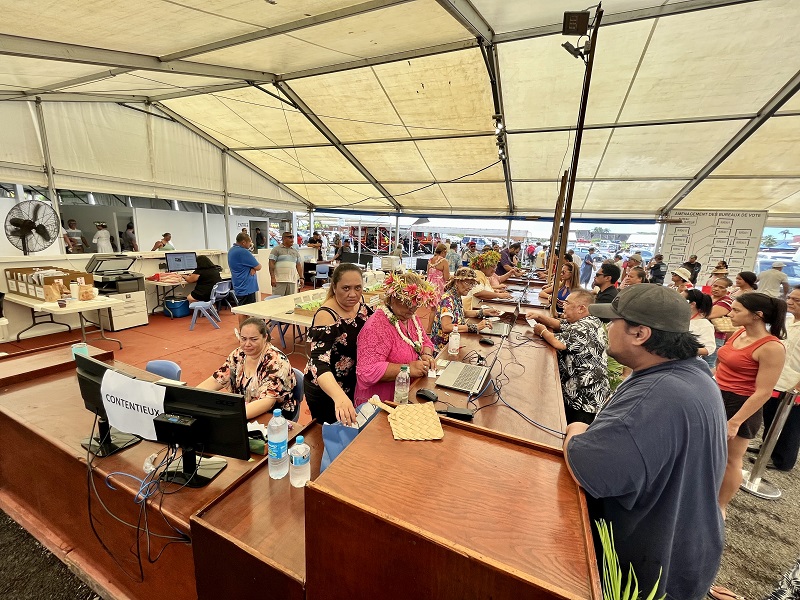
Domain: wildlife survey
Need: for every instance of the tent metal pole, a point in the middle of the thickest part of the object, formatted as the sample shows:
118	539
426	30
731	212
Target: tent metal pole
508	234
397	234
48	165
359	240
573	170
225	198
205	224
556	261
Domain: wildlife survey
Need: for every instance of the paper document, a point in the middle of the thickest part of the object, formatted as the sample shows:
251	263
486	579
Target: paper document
131	404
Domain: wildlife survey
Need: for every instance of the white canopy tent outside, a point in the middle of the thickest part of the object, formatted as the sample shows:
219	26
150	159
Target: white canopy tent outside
386	106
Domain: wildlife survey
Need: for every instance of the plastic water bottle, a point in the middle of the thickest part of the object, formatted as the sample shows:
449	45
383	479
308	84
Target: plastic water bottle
454	342
299	463
401	385
277	441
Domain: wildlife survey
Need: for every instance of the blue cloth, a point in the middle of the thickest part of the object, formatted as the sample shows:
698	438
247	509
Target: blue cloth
654	460
240	261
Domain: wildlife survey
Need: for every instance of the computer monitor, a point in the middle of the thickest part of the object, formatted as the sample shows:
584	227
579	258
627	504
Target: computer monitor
106	440
197	421
181	261
201	421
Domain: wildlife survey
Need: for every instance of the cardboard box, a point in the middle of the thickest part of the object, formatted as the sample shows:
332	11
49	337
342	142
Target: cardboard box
19	280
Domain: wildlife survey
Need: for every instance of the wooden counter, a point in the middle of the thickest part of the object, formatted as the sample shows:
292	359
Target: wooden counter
43	485
527	368
31	364
467	516
257	530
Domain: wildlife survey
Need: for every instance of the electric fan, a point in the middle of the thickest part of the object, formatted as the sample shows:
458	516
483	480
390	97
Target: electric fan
32	226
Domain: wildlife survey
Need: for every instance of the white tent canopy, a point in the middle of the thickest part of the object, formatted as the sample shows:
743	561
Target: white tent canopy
387	105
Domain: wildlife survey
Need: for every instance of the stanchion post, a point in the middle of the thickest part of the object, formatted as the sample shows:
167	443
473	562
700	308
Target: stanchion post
753	481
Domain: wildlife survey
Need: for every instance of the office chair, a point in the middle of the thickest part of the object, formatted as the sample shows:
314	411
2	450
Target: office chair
164	368
321	274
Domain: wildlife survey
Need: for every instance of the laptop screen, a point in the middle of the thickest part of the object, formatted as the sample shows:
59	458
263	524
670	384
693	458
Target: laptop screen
181	261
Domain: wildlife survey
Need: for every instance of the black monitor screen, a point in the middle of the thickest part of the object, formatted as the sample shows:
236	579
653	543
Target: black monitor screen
218	420
181	261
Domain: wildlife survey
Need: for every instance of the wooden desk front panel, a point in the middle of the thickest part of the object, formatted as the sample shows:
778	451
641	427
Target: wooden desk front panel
257	530
469	516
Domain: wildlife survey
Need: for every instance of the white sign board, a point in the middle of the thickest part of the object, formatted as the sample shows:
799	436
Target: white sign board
131	405
732	236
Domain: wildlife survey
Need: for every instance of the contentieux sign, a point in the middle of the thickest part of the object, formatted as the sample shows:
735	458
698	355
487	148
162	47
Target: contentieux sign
131	404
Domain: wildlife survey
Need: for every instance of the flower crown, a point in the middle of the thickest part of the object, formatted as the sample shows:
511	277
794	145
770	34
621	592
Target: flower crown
484	260
411	294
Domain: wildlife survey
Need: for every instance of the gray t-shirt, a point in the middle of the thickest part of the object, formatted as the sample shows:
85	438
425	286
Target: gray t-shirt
654	460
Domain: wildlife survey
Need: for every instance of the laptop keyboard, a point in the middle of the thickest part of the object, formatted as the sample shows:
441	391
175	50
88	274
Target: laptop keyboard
468	377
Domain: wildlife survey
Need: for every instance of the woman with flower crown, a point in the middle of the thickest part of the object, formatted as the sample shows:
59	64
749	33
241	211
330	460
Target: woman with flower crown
484	265
393	337
451	315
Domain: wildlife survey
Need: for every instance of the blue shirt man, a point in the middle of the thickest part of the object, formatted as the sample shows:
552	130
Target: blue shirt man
654	457
243	266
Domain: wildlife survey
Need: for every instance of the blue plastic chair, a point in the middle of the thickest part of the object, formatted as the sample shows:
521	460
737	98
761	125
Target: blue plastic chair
164	368
321	274
222	292
207	309
297	393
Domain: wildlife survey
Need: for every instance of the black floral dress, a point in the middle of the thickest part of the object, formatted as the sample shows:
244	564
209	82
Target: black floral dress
333	350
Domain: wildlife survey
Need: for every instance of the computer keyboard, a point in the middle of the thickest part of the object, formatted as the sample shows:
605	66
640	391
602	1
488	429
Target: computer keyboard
468	377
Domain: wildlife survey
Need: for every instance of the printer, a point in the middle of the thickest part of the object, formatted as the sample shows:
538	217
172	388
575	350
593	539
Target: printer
112	274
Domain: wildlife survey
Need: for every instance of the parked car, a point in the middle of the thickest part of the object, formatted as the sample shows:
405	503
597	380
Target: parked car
480	242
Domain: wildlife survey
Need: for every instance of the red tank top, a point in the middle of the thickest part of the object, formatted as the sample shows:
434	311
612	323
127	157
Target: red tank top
736	369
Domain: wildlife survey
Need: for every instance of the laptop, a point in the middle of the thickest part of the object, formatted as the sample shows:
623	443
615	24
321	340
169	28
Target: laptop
501	329
466	377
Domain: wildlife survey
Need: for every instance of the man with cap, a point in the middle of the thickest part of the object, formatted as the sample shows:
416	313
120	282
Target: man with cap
655	455
693	267
285	267
658	269
774	282
470	253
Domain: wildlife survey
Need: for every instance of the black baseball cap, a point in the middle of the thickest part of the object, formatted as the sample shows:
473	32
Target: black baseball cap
655	306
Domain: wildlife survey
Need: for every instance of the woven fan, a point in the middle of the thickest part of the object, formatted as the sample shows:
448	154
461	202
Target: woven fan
412	421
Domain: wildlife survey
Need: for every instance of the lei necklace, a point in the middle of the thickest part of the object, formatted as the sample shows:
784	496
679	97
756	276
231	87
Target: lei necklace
396	322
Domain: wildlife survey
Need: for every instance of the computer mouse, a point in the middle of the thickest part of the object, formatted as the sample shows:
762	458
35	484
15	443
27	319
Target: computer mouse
427	395
484	341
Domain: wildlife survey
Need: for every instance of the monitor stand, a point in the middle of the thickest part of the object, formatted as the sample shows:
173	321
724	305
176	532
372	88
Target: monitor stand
108	440
191	471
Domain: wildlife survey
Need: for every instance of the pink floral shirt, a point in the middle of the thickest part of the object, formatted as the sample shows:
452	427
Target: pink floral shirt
378	346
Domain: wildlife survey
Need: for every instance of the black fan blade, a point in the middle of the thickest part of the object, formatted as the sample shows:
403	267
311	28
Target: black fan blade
16	222
18	233
36	208
43	232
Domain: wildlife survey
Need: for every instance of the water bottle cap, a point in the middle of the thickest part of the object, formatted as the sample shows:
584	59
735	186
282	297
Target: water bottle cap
276	412
299	439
